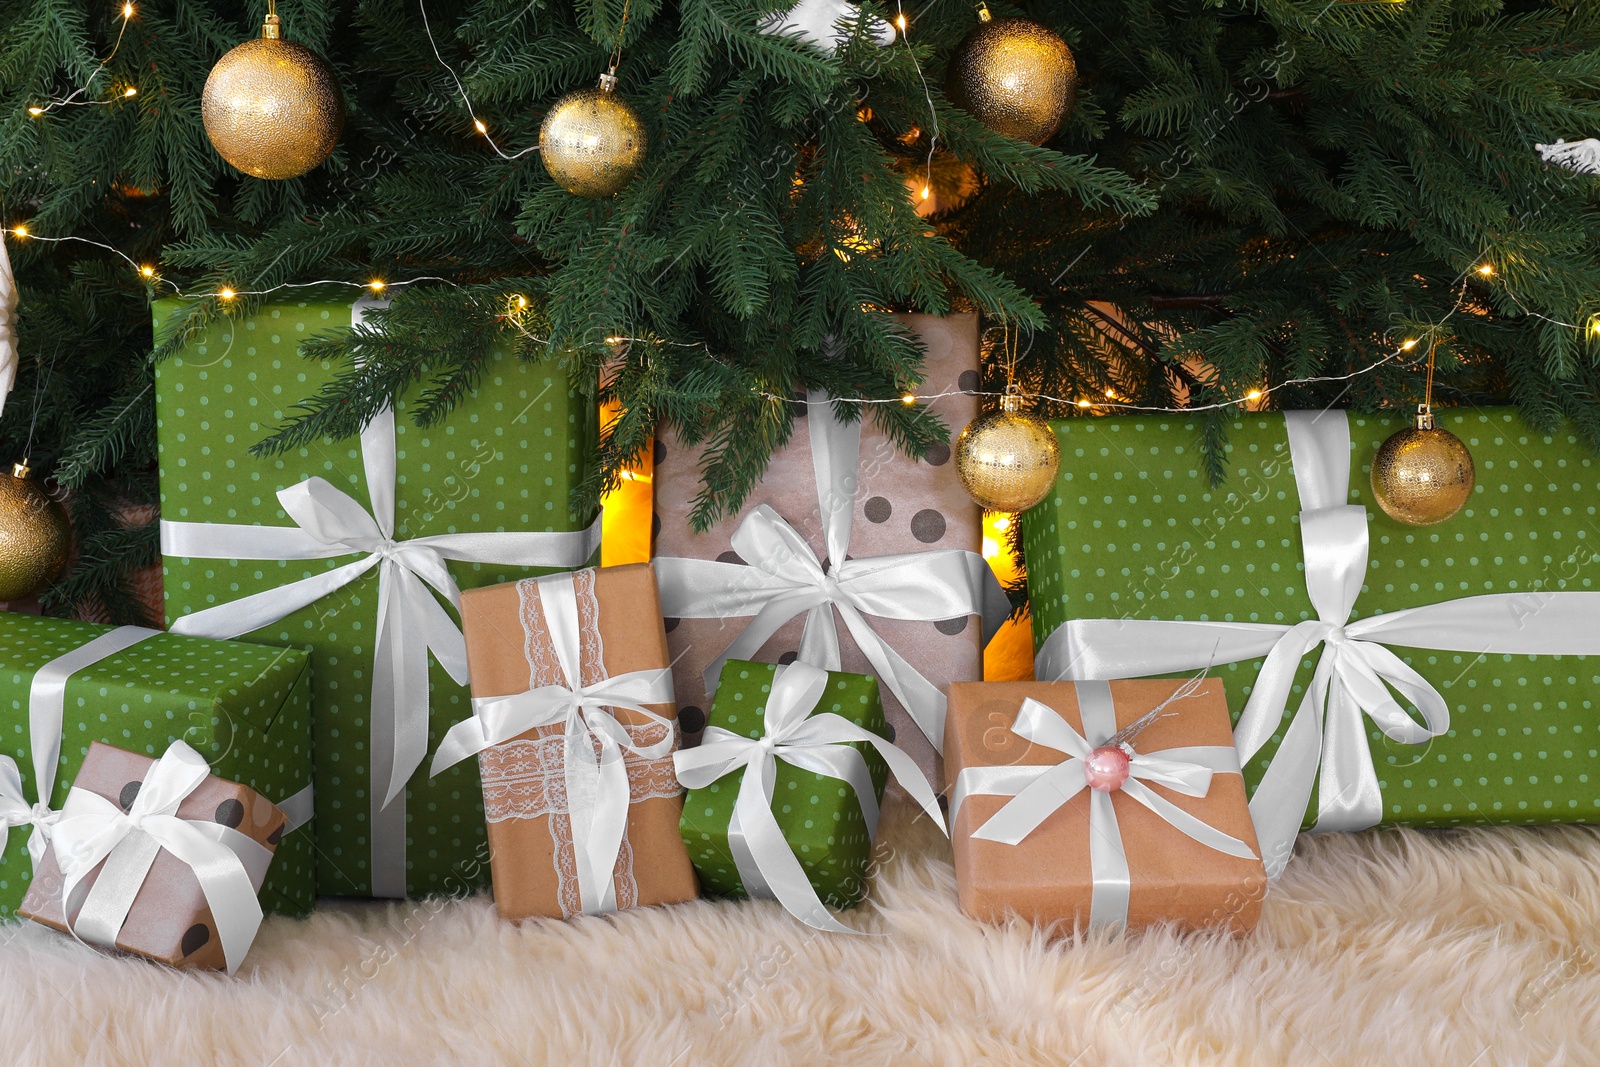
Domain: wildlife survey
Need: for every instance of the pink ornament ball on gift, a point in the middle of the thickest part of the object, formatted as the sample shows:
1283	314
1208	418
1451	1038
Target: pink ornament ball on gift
1106	768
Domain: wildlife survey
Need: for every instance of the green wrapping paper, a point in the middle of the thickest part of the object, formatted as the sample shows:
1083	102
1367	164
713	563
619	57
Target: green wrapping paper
245	708
1133	530
820	817
505	461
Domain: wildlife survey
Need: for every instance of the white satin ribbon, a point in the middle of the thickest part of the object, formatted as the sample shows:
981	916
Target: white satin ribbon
8	326
820	744
411	621
47	703
228	865
784	578
1326	741
597	786
1038	792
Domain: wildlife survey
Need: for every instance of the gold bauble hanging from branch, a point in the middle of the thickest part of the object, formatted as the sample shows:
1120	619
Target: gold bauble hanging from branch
593	141
35	537
1014	75
272	107
1008	459
1424	475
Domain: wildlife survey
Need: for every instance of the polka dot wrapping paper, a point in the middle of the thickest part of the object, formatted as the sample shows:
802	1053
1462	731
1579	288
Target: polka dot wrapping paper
1135	530
902	505
245	708
506	459
820	817
170	920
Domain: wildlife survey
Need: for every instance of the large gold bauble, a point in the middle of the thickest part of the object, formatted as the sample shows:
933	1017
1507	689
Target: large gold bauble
1008	459
34	535
1015	76
273	108
593	141
1422	476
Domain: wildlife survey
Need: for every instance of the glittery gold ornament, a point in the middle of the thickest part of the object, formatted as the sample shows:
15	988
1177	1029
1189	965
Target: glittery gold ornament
1015	76
592	141
1008	459
272	107
34	535
1424	475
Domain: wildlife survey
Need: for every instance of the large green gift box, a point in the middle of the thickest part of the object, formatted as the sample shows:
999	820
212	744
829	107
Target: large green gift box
480	498
246	708
820	816
1134	531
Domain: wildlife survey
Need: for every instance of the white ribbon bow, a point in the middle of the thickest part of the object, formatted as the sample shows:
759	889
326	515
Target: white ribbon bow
784	578
598	792
411	622
821	744
16	811
1326	741
228	864
1040	791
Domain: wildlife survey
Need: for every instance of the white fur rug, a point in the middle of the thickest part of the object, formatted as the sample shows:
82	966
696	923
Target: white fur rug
1466	948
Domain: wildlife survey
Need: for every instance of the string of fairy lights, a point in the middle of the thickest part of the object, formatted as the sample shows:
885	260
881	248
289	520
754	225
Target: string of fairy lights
517	305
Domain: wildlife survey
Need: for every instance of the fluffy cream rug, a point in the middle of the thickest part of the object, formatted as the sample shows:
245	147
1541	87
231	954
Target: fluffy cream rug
1466	948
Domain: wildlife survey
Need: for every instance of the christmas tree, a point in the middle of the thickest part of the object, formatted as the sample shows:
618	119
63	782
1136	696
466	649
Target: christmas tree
1245	196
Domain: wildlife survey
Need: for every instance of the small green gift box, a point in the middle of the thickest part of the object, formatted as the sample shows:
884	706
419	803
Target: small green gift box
825	824
64	685
359	549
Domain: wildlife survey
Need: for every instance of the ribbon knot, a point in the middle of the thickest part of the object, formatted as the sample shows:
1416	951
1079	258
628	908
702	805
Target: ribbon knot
1039	791
228	865
822	744
784	577
16	811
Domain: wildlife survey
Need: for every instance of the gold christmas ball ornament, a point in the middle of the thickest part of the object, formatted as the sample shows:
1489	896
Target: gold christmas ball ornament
1008	459
1015	76
273	108
593	141
34	535
1424	475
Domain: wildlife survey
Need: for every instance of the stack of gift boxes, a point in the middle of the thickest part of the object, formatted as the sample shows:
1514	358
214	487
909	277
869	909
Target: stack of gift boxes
392	669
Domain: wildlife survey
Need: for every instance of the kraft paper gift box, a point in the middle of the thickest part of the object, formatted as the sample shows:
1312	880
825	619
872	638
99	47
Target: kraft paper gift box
607	628
1451	684
245	708
168	915
1064	872
899	505
401	515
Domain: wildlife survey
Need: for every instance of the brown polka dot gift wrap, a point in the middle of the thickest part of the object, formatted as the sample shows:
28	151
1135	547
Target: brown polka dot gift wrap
245	708
1428	719
502	465
901	505
169	920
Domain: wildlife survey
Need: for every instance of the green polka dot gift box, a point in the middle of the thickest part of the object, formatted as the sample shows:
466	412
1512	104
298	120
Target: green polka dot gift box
245	708
820	816
1377	672
357	548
